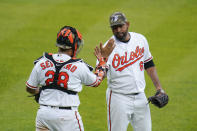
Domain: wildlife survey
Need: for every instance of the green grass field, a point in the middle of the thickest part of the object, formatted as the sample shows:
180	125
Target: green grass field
28	28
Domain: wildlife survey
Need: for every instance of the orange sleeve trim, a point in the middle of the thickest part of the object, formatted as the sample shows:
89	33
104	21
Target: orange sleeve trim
148	59
33	87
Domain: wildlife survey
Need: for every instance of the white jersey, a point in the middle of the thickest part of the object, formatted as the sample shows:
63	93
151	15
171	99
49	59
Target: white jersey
126	65
72	76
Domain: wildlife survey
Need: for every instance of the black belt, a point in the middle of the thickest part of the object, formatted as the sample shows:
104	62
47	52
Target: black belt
134	93
64	108
127	94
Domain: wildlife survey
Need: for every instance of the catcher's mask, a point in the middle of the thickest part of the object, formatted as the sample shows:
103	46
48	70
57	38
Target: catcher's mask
69	38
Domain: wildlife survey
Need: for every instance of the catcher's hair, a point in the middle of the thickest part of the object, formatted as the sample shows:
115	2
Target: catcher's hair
63	50
69	38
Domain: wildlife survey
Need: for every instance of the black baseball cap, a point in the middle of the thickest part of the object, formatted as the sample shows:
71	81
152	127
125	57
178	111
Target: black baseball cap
117	18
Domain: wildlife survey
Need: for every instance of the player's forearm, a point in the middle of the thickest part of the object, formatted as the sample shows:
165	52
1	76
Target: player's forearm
100	72
154	77
32	91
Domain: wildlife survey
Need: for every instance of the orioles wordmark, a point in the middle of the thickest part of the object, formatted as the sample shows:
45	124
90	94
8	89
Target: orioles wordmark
121	62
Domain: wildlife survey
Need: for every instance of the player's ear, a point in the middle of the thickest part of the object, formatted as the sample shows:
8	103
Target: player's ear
127	23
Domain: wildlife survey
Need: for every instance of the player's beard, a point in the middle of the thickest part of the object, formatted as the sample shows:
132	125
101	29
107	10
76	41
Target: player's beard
121	36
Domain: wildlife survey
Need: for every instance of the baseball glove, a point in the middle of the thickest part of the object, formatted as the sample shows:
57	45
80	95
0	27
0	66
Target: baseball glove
160	99
36	97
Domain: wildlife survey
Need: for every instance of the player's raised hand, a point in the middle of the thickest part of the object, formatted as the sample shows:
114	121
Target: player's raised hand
97	53
107	49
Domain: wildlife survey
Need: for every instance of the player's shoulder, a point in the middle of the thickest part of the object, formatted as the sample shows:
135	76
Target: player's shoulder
41	58
137	35
84	64
38	60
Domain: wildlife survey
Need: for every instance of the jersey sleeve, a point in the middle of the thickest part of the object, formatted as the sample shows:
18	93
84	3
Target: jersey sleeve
33	82
147	53
87	76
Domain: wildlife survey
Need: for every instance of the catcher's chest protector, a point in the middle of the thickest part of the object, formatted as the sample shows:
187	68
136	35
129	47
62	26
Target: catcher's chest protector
58	66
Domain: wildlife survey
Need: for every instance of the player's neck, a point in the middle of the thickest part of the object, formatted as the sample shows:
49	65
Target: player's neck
67	52
127	38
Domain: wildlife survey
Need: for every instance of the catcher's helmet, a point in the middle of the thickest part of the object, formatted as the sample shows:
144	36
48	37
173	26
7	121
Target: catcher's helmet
69	38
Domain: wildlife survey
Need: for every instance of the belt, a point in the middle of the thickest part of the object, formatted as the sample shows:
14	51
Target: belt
64	108
134	93
126	94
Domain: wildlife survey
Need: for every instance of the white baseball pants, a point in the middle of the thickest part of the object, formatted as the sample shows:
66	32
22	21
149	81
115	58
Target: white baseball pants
124	109
55	119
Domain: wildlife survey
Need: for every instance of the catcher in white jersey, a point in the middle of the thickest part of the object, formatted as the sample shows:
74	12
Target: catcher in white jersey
60	77
126	100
